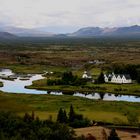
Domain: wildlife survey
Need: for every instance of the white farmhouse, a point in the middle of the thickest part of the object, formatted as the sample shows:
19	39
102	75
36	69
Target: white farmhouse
86	75
118	78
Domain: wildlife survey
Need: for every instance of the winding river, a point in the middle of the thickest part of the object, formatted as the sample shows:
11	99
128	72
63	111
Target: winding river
18	83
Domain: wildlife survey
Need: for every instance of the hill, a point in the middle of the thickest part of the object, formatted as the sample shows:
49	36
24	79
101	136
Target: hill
6	35
24	32
133	31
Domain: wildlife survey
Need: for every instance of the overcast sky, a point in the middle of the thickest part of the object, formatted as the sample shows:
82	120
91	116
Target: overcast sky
69	14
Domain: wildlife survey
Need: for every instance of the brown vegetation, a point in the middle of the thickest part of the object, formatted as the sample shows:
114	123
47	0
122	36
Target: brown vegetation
97	131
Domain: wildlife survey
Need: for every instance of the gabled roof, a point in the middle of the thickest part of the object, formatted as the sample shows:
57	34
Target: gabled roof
127	76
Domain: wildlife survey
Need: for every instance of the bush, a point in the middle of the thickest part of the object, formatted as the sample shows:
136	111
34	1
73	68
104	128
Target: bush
80	123
67	79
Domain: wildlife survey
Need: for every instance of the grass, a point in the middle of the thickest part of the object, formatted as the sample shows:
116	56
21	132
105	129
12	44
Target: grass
17	68
34	69
131	89
46	105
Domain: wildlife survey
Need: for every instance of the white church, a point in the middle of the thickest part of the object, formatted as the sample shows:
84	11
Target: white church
86	75
118	78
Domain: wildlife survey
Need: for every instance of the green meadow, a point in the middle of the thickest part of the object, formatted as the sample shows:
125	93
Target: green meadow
45	106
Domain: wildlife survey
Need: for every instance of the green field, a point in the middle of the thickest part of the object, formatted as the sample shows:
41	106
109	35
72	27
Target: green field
46	105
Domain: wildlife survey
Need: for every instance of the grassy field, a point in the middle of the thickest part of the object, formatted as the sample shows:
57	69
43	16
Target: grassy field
46	105
39	58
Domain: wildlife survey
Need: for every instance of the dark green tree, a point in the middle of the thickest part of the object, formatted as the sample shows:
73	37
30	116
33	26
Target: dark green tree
62	116
68	78
65	118
33	115
138	77
71	114
101	79
27	117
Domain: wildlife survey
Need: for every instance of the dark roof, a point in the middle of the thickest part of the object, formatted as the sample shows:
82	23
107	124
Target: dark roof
127	76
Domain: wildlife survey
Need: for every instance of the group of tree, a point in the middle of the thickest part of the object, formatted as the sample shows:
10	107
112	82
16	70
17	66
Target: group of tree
132	70
72	118
67	78
29	127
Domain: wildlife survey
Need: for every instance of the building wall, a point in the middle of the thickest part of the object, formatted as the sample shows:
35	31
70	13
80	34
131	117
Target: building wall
118	80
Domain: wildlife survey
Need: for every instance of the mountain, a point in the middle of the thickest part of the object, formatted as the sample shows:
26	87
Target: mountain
88	31
7	36
132	31
117	31
24	32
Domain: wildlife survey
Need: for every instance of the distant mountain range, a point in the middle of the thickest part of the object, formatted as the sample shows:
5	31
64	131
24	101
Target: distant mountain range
12	32
24	32
6	35
96	31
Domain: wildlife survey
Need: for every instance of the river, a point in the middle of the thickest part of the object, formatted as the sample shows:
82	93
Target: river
17	85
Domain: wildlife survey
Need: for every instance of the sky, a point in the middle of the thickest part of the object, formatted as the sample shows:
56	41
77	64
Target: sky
68	15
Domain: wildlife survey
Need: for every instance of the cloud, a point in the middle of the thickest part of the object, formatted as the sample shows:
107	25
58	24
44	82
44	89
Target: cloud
71	13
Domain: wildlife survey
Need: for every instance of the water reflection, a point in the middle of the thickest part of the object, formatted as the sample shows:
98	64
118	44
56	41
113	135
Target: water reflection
109	97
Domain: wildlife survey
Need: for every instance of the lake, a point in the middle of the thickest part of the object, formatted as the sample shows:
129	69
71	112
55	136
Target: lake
19	81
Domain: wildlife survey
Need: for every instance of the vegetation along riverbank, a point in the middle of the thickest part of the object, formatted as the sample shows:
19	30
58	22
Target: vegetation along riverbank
118	113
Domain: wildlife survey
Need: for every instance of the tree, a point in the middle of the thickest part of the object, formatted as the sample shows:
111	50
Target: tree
33	115
27	117
68	78
138	77
71	114
13	127
101	79
62	116
65	118
113	135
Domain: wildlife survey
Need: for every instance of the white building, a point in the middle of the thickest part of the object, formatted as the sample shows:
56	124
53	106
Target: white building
118	78
86	75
